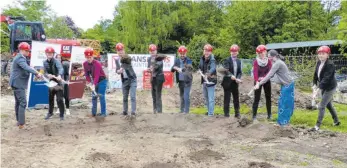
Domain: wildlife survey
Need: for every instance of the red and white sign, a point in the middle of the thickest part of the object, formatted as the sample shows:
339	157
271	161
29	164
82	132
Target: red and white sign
139	63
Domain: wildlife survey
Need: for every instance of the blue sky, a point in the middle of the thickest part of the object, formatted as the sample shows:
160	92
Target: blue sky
85	14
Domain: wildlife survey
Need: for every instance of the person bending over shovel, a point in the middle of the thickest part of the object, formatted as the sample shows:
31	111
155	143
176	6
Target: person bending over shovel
54	71
129	83
19	81
183	77
324	79
97	81
286	100
231	81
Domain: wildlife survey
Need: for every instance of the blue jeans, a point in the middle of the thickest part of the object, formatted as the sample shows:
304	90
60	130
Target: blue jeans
187	98
184	97
129	85
209	98
100	90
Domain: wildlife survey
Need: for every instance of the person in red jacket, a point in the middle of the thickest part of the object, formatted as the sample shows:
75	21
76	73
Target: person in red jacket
96	78
261	67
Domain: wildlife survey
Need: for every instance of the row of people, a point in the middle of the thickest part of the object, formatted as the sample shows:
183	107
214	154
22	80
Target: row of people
265	66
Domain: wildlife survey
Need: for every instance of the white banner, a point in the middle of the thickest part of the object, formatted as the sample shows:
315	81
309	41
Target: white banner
139	63
38	54
37	91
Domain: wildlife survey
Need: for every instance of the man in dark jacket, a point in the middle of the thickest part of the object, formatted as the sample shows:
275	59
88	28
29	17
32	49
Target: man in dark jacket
129	80
155	66
19	81
54	71
207	67
324	80
231	81
65	61
183	68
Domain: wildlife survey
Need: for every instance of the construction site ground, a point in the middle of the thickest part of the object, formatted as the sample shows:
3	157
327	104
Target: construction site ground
168	140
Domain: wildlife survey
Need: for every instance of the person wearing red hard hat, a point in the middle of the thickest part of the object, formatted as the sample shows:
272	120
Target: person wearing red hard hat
286	98
207	67
65	61
54	71
97	80
324	80
183	67
19	81
129	80
155	67
261	67
231	80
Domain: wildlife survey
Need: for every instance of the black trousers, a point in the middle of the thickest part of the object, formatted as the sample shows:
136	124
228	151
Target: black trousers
157	86
56	91
234	90
257	93
66	96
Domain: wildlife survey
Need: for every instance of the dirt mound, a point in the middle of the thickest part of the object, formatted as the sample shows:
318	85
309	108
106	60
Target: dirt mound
260	165
162	165
197	98
5	87
97	156
205	155
243	122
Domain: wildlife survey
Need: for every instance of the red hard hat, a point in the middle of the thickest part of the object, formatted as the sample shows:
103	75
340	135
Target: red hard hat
88	52
234	48
208	47
323	49
152	47
260	48
119	46
49	50
182	49
24	46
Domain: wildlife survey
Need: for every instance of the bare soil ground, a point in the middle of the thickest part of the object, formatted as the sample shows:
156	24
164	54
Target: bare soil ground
168	140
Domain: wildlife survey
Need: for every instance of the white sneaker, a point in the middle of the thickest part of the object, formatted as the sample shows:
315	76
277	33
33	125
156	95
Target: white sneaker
57	112
68	112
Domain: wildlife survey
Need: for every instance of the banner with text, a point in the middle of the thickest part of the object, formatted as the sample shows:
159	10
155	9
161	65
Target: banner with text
139	63
37	90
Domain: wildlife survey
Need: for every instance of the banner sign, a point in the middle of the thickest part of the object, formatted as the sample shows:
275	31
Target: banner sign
37	90
77	77
139	63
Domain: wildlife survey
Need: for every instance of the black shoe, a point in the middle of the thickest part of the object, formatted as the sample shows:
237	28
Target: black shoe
337	124
238	116
133	114
125	113
61	118
49	115
226	115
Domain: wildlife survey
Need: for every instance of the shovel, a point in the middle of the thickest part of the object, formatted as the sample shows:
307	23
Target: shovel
313	101
49	83
94	94
205	78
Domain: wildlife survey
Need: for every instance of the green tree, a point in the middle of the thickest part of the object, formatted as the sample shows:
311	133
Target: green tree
58	28
342	27
196	48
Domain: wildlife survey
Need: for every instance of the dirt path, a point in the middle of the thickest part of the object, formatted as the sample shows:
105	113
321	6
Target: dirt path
168	140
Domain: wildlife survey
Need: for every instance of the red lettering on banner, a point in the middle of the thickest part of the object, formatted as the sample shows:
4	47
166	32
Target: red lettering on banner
169	79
